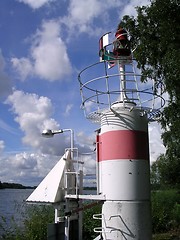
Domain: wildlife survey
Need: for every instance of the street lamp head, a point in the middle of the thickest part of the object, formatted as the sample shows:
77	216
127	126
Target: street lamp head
47	133
50	133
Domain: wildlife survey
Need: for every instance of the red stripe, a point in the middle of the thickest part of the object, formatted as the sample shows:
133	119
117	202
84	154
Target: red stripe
101	43
123	144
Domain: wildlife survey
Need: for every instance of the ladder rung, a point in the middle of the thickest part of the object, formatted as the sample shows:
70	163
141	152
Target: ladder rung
98	216
100	230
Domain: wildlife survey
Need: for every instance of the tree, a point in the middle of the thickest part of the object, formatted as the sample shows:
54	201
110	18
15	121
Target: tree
165	173
156	36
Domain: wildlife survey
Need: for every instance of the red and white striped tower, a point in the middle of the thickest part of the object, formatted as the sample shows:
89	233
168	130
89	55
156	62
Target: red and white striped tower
123	159
123	111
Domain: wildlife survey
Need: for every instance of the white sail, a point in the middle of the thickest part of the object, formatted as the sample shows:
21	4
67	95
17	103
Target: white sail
51	189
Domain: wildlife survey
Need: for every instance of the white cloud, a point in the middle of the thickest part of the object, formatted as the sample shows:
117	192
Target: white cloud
1	146
85	140
86	148
23	66
68	109
155	141
33	114
48	55
85	16
83	12
35	4
30	168
5	82
130	7
26	168
90	163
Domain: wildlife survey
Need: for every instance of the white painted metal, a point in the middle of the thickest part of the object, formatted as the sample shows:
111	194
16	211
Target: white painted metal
125	180
123	118
124	220
98	238
51	189
123	96
88	197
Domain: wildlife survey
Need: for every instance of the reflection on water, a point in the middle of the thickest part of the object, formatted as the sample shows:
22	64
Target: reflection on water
12	206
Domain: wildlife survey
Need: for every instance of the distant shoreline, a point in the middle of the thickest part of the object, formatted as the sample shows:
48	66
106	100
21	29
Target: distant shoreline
5	185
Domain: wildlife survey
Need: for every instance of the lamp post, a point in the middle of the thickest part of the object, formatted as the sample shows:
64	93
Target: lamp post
50	133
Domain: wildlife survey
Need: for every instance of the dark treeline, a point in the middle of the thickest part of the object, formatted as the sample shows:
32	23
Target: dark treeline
4	185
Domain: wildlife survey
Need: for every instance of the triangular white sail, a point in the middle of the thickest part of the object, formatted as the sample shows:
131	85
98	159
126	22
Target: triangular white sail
51	189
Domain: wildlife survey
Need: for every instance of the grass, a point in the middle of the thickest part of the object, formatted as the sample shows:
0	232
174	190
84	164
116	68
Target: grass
167	236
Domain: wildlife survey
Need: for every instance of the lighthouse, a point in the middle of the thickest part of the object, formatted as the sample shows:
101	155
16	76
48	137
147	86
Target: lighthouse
113	96
123	159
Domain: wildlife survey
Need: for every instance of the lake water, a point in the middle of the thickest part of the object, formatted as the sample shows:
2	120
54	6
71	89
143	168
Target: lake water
12	205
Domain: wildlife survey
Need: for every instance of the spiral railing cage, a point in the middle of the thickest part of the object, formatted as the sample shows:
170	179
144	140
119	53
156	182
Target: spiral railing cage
101	87
116	78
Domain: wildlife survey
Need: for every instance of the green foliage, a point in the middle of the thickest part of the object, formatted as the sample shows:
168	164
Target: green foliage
89	223
165	218
11	231
165	211
155	177
34	226
166	236
36	223
165	173
156	41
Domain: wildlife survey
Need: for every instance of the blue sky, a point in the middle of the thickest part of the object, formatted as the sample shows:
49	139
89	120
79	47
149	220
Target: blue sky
44	44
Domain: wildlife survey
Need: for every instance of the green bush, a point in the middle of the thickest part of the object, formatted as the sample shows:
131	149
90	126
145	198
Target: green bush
34	226
166	236
89	223
165	210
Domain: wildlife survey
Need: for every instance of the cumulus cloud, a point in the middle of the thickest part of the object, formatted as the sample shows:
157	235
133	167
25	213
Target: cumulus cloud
48	55
89	16
5	82
155	141
1	146
35	4
85	16
130	7
26	168
33	113
23	66
48	58
86	140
